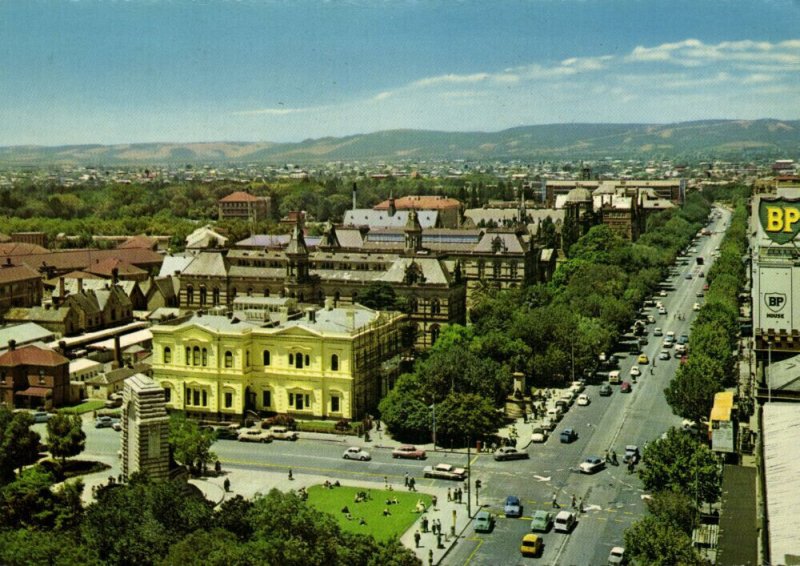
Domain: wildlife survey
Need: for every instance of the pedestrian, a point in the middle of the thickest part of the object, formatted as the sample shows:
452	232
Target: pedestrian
412	483
226	485
386	482
574	501
460	494
290	474
416	539
580	506
555	501
424	524
405	480
434	501
449	495
439	538
430	557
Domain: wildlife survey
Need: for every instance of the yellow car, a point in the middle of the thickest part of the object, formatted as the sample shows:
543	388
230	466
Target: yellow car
643	359
531	545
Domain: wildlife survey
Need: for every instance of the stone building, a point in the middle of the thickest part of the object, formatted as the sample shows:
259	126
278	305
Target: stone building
145	429
32	377
243	206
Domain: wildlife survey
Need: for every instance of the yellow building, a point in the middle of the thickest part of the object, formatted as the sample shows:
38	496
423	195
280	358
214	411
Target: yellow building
325	363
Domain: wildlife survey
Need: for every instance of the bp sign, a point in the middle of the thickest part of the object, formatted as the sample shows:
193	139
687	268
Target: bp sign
780	219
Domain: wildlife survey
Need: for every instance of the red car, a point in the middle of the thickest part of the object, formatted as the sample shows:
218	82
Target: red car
625	387
408	451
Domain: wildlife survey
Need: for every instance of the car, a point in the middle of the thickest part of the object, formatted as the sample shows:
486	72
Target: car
583	400
445	472
542	521
631	454
635	371
562	404
664	355
592	465
509	453
662	310
643	340
41	416
554	413
651	319
577	386
513	507
254	435
282	433
683	339
625	387
564	522
484	522
117	425
548	424
568	435
700	294
617	556
230	432
701	274
531	545
657	331
103	422
356	453
409	452
696	307
680	348
662	293
643	359
667	344
605	390
687	276
539	434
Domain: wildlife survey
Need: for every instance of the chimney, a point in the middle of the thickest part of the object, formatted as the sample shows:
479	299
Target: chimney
80	284
354	196
311	314
114	276
12	345
117	351
61	288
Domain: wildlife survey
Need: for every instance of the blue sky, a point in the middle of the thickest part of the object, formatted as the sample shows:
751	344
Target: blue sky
116	71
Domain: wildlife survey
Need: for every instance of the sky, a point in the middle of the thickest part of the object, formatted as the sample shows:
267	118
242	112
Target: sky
135	71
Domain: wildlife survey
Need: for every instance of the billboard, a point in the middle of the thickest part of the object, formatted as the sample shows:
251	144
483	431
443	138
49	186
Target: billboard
723	436
775	307
779	218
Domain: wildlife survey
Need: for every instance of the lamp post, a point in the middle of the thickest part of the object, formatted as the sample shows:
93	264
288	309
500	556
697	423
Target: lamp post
433	408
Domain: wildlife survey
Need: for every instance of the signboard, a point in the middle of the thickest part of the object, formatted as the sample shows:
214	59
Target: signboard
779	219
723	436
775	304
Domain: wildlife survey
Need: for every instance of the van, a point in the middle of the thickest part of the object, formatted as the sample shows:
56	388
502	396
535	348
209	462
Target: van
564	522
613	377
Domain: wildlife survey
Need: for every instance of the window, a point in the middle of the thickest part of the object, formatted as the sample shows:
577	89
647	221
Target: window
247	358
167	394
265	355
204	357
228	400
41	377
266	292
196	356
215	296
203	296
291	359
435	330
189	295
334	363
496	269
228	359
205	397
298	361
335	404
167	355
195	397
188	355
266	398
308	363
436	307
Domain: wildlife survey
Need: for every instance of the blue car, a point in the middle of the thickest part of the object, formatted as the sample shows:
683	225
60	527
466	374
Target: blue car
513	507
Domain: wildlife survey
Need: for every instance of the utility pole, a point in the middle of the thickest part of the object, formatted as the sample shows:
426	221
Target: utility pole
469	476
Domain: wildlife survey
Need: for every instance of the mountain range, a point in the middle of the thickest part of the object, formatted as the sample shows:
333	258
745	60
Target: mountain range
707	139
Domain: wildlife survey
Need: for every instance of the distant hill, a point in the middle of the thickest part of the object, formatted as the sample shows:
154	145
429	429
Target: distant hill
727	139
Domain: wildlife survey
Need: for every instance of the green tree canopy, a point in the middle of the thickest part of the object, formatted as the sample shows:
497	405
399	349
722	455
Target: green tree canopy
65	436
191	445
655	543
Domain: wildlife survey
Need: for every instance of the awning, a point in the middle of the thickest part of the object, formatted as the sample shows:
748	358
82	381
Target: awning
36	392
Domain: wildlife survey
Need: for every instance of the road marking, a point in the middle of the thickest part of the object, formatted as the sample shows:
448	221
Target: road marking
542	478
475	550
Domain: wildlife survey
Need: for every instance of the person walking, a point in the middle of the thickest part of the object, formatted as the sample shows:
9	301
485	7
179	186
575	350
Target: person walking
405	480
434	501
574	501
449	495
417	536
424	524
555	501
412	483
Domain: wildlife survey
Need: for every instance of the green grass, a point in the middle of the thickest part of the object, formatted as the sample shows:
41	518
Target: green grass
382	528
85	407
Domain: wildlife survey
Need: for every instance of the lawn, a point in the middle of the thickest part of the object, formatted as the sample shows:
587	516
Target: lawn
402	516
85	407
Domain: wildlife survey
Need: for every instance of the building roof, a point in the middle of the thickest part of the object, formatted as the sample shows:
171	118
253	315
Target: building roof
214	323
341	319
80	364
382	219
499	243
105	267
14	249
117	375
579	194
239	196
23	333
420	202
12	273
141	383
207	263
32	356
432	269
39	314
140	241
70	260
203	237
137	337
174	264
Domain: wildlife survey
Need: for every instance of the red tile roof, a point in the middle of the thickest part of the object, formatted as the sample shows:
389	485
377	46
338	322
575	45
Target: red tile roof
32	356
239	196
140	241
14	249
70	260
106	267
17	273
420	202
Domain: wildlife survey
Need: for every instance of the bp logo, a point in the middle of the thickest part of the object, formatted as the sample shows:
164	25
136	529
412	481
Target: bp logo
780	219
775	301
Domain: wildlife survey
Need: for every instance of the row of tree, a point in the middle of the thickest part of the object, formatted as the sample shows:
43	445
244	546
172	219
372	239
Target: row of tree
550	332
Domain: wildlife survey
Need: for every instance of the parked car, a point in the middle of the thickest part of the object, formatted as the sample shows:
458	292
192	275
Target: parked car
117	425
568	435
667	343
41	416
564	521
531	545
592	465
631	454
662	310
254	435
680	348
657	331
635	371
484	522
605	390
548	424
509	453
409	452
356	453
103	422
577	386
542	521
625	387
512	507
643	359
283	433
617	556
445	472
230	432
554	413
583	399
683	339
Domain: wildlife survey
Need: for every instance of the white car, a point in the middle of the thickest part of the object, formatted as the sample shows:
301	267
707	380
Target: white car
635	371
617	556
576	386
539	434
696	307
662	293
667	344
657	331
662	310
680	348
356	453
583	399
592	465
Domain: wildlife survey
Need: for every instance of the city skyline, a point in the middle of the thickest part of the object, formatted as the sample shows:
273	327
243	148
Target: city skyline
86	71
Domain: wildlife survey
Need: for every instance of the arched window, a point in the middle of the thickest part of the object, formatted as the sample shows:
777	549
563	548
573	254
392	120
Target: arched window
298	361
266	292
228	359
188	355
334	362
265	355
167	355
308	363
196	356
189	294
215	296
203	296
204	357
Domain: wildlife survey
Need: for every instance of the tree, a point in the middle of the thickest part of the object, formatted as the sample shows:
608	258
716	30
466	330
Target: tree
378	296
65	436
681	463
21	547
404	413
191	445
691	392
216	547
650	541
19	445
465	417
674	509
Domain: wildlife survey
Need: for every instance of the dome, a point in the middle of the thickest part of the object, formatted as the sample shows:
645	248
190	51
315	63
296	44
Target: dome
579	194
